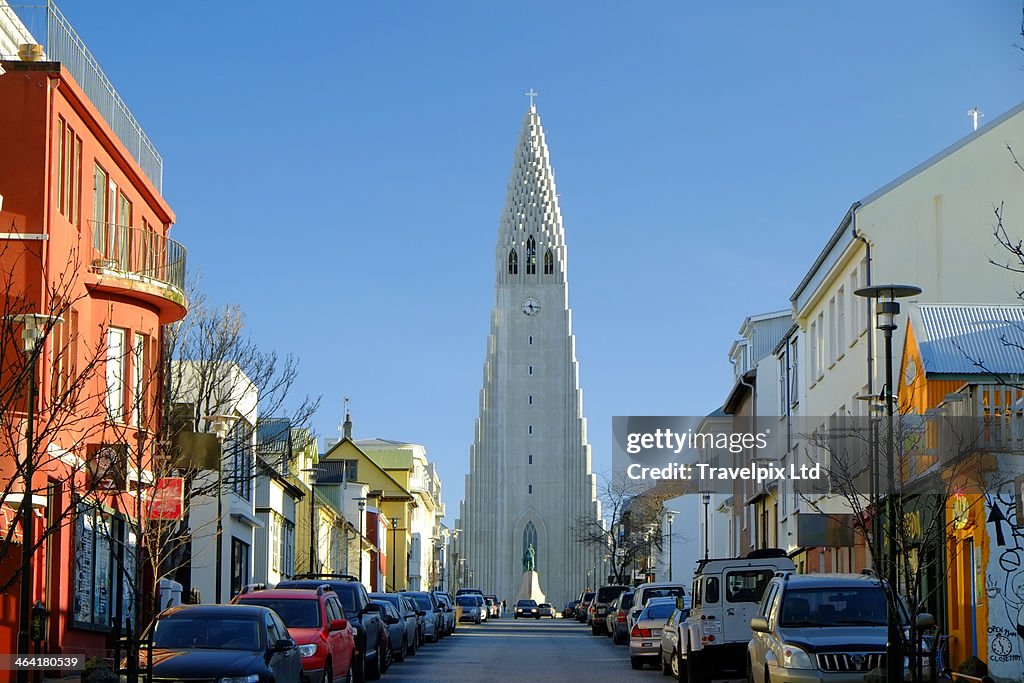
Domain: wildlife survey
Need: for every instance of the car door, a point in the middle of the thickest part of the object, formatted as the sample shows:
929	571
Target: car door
760	642
336	639
286	665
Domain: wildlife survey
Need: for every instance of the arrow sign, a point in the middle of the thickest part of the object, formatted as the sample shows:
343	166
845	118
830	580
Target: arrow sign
997	517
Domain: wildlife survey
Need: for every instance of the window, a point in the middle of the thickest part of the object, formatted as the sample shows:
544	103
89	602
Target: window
69	171
712	590
241	464
531	400
274	541
99	535
819	343
832	336
350	470
531	369
138	379
65	354
100	208
513	262
287	547
115	374
531	256
530	428
841	322
782	384
239	565
813	356
531	340
530	489
794	368
549	263
530	461
747	585
863	309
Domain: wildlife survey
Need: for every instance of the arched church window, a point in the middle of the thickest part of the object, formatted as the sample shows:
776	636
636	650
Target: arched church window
531	256
549	263
530	537
513	262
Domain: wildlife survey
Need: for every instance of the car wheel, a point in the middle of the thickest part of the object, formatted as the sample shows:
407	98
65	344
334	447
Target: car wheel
359	668
328	676
666	667
675	665
636	662
694	673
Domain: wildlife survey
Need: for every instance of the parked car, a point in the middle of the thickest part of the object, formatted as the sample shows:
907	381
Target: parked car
669	651
371	631
830	627
583	606
527	609
645	636
569	611
618	623
647	591
316	621
216	642
448	602
472	607
546	610
396	630
431	610
726	594
421	619
407	610
599	606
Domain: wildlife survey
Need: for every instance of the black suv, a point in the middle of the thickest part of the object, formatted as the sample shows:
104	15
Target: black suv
371	638
603	599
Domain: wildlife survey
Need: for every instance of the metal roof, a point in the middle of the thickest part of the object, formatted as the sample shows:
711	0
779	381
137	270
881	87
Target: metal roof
969	339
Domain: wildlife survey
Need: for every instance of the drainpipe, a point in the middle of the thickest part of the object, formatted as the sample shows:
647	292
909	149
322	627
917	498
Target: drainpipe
858	235
753	427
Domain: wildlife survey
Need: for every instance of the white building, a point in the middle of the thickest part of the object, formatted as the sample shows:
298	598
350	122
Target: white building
530	472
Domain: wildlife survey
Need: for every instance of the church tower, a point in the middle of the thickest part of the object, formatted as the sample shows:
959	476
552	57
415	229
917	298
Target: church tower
530	479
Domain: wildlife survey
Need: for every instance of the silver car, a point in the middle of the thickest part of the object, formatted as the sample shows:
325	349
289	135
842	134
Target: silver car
471	607
669	655
645	636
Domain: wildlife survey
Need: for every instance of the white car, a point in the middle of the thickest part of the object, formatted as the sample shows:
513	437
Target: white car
546	610
645	636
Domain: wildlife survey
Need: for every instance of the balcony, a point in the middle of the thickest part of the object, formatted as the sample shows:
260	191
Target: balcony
142	264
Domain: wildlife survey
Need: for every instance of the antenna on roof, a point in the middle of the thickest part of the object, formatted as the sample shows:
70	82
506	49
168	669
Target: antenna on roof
974	114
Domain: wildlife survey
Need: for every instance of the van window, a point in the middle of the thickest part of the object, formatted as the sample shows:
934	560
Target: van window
747	585
696	593
711	590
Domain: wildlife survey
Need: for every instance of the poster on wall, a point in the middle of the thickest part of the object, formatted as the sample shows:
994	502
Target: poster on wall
84	551
101	584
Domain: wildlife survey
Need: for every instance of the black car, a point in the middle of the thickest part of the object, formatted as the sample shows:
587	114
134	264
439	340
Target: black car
527	609
570	609
410	620
235	642
396	629
432	610
371	631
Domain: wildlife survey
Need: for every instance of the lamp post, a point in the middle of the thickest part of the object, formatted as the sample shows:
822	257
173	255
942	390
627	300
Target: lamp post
886	309
707	501
394	551
670	515
359	555
313	559
221	425
35	327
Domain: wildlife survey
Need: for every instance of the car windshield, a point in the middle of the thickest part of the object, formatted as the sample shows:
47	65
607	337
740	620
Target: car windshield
209	632
662	592
587	597
466	601
526	603
422	601
293	612
346	593
609	593
833	607
659	610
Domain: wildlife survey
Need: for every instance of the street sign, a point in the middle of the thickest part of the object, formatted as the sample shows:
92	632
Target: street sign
168	498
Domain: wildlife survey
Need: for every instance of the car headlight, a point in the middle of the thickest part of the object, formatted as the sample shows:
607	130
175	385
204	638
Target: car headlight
795	658
307	650
251	678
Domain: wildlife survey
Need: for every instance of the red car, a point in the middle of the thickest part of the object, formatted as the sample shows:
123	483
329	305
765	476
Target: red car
317	623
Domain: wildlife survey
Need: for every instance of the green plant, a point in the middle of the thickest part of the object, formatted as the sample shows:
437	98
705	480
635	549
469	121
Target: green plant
99	670
972	666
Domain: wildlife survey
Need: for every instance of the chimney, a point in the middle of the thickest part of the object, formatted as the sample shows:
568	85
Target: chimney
30	52
348	425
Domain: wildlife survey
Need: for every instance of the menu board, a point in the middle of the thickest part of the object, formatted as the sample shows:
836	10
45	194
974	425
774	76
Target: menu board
101	581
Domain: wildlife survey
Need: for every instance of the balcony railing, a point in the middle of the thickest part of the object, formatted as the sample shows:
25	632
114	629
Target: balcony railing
139	252
62	44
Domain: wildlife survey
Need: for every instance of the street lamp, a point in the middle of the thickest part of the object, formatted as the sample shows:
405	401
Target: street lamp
221	425
670	515
313	560
394	550
886	309
33	334
707	501
359	555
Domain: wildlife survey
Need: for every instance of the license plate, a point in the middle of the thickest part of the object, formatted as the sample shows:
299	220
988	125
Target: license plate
646	644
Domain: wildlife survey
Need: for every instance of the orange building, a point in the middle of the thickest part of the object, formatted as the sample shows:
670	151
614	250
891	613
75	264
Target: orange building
84	236
960	364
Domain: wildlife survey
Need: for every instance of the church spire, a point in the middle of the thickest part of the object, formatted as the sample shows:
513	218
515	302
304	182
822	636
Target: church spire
531	239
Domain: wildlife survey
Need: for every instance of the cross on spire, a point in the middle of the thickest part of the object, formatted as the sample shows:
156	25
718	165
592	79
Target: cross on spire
531	93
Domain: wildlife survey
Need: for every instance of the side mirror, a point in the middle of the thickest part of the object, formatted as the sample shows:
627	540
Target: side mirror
759	625
283	645
339	624
372	607
388	619
421	613
924	620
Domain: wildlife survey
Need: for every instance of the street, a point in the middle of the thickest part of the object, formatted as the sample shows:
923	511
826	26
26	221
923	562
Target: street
499	650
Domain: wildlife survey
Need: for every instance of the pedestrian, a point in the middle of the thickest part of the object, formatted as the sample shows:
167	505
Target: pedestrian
504	607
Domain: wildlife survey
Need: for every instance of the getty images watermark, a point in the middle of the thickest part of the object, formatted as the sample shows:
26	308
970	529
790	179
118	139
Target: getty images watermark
711	455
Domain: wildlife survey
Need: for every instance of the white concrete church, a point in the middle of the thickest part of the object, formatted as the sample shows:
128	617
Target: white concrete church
530	474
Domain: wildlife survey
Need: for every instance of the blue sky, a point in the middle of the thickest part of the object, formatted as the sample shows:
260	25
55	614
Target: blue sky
338	169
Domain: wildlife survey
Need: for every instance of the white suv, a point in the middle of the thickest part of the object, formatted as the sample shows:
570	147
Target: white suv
726	594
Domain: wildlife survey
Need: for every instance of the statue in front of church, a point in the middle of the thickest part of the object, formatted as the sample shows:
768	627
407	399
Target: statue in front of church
529	559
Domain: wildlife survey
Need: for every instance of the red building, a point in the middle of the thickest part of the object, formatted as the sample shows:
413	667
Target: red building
84	236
